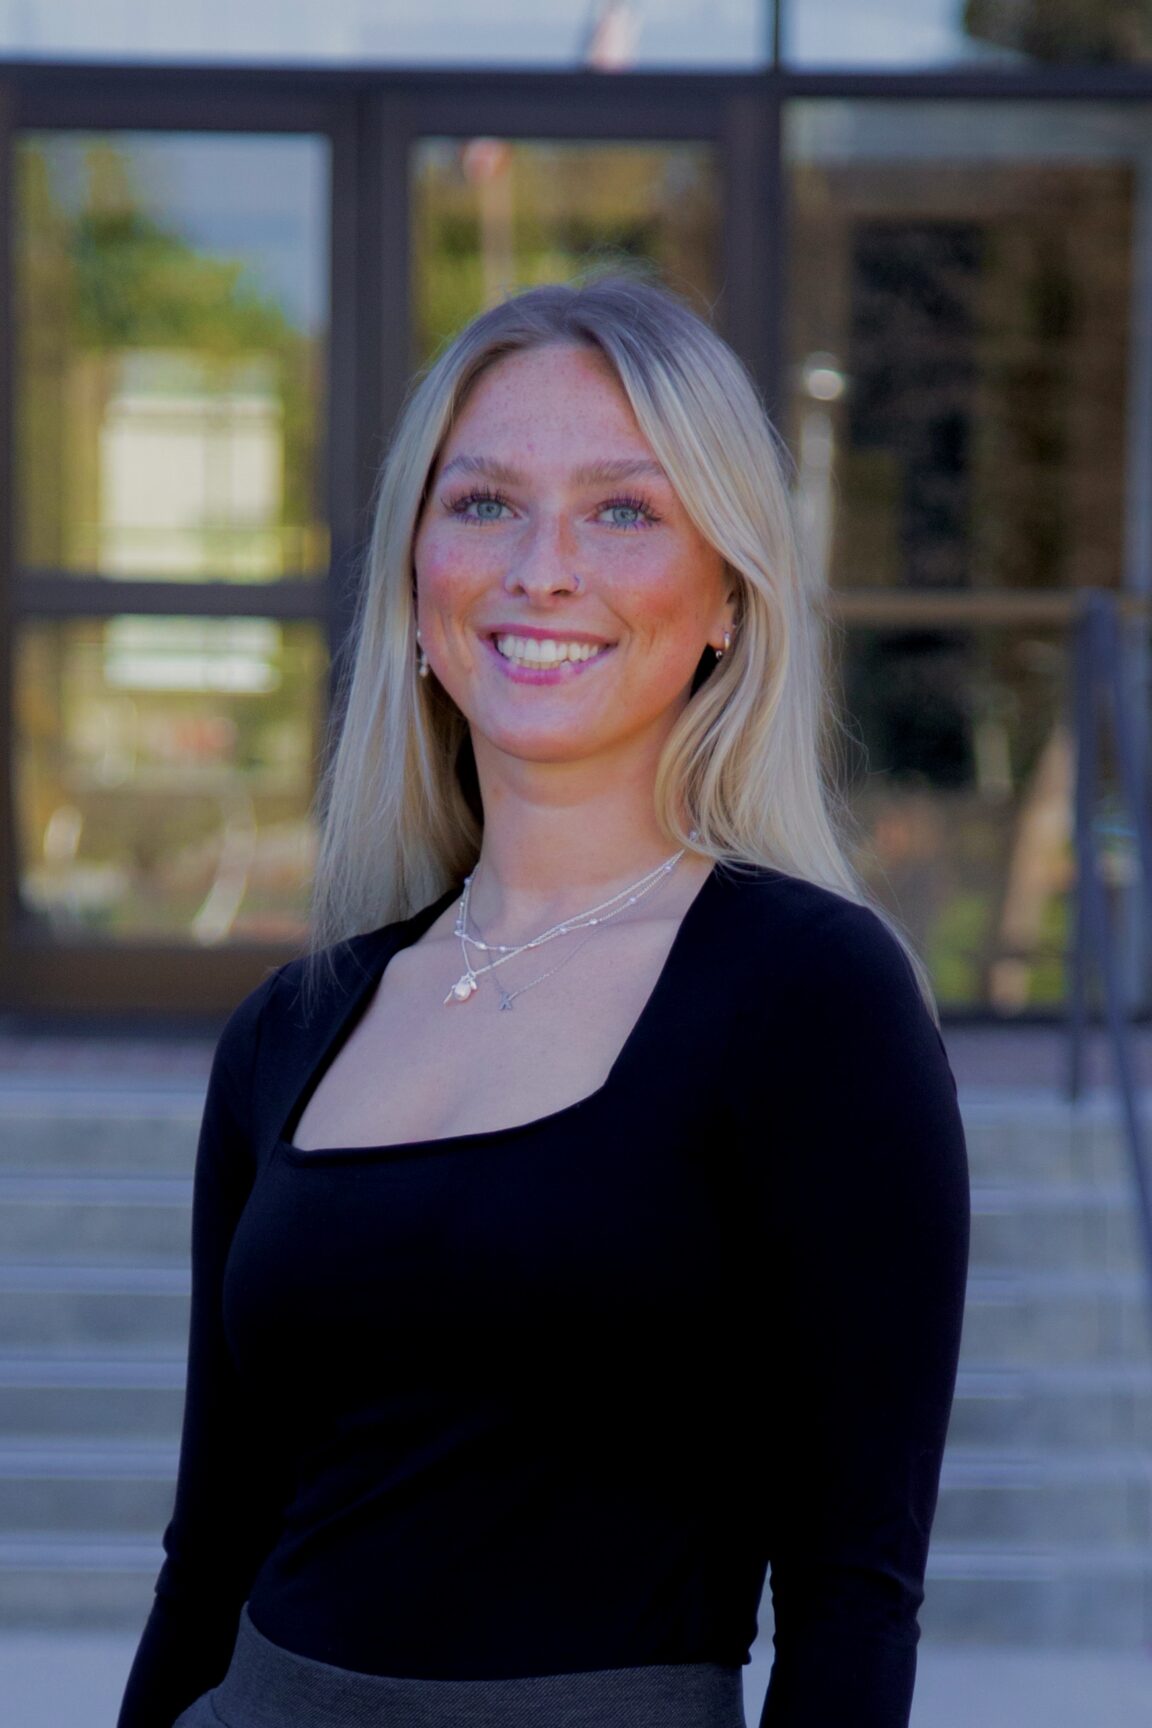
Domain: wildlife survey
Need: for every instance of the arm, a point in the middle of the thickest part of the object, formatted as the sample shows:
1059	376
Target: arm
867	1212
227	1499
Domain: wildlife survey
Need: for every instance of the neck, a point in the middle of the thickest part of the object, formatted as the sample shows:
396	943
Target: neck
559	838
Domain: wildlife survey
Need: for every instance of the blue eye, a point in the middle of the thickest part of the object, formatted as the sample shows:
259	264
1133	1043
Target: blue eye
489	506
630	513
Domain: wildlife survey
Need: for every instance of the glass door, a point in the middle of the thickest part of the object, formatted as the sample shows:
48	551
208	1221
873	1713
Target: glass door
970	347
171	537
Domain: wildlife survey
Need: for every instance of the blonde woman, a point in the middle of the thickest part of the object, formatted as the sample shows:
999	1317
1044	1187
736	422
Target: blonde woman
580	1231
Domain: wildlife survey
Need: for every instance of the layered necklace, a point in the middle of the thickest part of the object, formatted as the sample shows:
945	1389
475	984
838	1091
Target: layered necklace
470	940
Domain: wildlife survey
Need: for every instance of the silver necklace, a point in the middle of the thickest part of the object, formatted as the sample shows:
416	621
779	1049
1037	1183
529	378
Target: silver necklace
468	983
507	997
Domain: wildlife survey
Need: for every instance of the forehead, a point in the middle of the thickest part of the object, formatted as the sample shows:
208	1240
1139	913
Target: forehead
561	387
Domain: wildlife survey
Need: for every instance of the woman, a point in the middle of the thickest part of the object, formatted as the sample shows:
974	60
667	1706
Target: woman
582	1230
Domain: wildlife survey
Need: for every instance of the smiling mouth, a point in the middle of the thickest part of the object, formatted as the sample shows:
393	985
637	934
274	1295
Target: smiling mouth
530	651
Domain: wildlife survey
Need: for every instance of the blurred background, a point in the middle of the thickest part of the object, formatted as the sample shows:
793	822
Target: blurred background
229	232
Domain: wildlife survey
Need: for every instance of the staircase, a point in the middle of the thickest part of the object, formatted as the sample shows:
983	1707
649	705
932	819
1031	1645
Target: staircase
95	1192
1043	1533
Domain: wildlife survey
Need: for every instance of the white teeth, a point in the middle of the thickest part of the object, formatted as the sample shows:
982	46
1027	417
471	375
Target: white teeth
531	651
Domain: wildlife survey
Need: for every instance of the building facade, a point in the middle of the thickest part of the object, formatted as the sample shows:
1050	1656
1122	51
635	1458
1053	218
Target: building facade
230	239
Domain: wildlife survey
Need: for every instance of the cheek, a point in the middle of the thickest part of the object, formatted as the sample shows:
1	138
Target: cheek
673	612
447	573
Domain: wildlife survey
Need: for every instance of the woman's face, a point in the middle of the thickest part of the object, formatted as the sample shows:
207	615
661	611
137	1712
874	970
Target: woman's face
564	596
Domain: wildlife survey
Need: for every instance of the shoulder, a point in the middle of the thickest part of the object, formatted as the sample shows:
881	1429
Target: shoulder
308	994
304	995
821	978
828	992
809	930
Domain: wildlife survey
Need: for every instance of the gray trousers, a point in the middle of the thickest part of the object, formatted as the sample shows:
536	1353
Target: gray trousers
267	1687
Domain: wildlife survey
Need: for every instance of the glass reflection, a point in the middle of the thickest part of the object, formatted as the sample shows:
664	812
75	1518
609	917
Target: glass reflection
173	301
688	34
971	367
165	774
490	215
960	780
985	33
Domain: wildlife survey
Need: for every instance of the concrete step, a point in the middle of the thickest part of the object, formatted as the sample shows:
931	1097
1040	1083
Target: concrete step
1064	1227
1099	1404
1016	1497
52	1581
151	1130
59	1307
1021	1496
94	1396
1042	1319
1037	1138
1070	1225
1011	1320
76	1487
1046	1597
1076	1596
95	1218
1044	1525
100	1132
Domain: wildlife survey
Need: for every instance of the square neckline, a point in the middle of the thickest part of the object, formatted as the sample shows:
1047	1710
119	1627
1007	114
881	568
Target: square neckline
404	935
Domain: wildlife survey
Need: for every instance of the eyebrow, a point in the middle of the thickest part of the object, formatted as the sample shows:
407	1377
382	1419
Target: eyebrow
593	474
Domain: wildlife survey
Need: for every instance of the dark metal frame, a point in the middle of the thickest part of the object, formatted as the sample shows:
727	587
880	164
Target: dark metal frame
373	116
1100	693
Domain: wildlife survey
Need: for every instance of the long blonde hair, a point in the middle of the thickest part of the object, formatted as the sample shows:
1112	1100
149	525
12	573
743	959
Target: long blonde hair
746	765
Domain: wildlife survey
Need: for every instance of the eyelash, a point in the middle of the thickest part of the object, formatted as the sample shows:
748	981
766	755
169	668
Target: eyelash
486	495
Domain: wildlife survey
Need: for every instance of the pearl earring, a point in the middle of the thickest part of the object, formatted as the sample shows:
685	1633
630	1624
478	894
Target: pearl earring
422	667
720	652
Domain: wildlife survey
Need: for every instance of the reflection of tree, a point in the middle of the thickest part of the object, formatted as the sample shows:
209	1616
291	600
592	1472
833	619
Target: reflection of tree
562	207
139	284
110	277
143	807
1080	30
913	362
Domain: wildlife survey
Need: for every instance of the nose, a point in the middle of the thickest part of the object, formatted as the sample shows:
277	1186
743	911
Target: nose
546	561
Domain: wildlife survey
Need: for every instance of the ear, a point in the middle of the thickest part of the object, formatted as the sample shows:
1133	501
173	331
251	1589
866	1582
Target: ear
726	623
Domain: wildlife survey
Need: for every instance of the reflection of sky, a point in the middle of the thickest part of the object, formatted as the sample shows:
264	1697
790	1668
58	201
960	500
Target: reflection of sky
879	33
263	201
436	32
673	33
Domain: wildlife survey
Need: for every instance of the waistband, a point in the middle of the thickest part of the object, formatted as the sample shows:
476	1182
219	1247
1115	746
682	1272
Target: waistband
269	1687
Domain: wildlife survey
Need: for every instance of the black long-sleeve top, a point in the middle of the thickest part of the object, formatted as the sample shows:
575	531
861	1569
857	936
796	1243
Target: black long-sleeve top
555	1397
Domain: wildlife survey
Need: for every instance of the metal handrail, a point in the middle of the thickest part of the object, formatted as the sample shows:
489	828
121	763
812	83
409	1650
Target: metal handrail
1099	684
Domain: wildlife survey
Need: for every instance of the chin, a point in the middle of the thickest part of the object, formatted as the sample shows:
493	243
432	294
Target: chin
560	746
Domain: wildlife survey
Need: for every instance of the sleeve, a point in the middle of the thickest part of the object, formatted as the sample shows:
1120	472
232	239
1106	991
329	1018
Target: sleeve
865	1219
228	1498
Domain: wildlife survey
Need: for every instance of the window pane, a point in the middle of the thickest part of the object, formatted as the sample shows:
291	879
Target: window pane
566	33
173	313
490	215
984	33
165	773
971	388
962	786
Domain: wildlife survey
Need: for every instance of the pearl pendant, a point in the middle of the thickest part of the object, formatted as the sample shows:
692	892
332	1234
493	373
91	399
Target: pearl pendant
462	989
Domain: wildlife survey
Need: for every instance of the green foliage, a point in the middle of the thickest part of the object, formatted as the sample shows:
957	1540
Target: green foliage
140	284
109	277
1082	32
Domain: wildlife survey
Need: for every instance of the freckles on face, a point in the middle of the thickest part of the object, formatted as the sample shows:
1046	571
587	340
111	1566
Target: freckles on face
564	594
